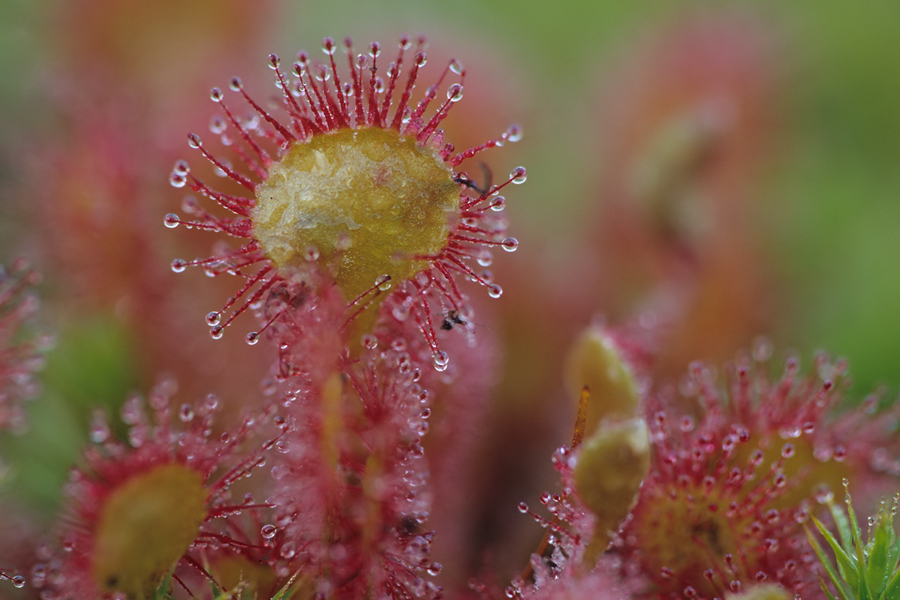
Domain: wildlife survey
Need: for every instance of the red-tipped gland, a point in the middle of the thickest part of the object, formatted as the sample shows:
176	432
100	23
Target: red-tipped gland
355	181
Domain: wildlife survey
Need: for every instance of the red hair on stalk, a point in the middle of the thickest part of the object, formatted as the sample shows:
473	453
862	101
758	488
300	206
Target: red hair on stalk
355	181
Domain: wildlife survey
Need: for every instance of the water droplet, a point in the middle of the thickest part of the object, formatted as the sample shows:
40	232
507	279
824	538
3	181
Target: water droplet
518	175
401	311
186	413
455	93
211	403
434	569
495	291
274	61
177	180
194	140
213	318
513	133
287	551
216	332
362	61
38	575
18	581
441	360
456	67
498	204
328	46
181	167
383	282
99	428
216	94
217	125
312	254
510	244
403	364
252	338
268	531
190	205
172	220
236	84
370	341
840	452
179	265
756	458
523	508
421	59
375	49
485	258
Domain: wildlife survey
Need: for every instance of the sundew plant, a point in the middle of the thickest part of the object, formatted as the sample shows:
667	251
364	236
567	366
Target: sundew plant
279	319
